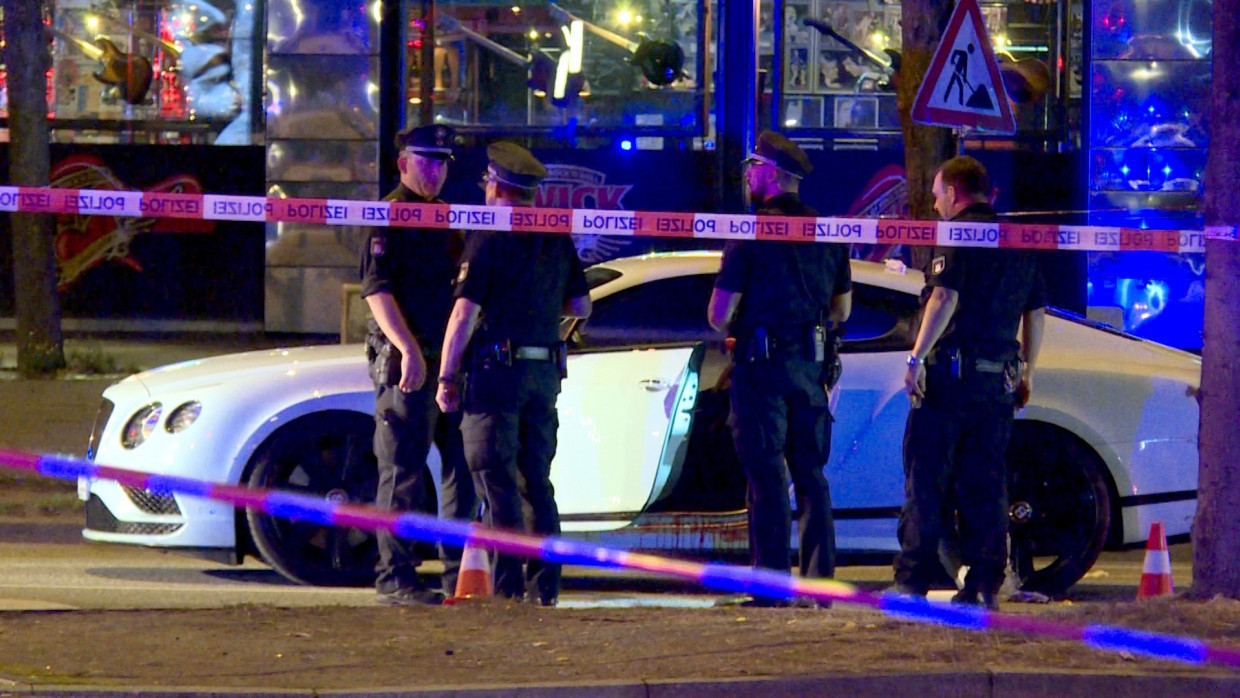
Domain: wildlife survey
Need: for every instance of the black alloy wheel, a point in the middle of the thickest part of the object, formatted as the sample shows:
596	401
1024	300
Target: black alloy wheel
1059	507
325	455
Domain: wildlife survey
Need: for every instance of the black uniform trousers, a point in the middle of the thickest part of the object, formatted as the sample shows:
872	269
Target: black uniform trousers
781	426
405	426
954	458
509	429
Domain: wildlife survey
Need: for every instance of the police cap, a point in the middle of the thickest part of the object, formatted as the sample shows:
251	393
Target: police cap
432	141
514	165
775	149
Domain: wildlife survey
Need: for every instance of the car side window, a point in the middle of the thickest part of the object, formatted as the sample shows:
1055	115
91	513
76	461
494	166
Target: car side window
881	320
666	311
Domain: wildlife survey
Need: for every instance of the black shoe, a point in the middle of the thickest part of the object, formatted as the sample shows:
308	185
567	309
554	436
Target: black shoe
765	602
970	597
409	596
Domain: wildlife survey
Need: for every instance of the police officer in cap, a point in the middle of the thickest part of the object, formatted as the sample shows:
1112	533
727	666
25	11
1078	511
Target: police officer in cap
965	381
407	276
511	293
782	303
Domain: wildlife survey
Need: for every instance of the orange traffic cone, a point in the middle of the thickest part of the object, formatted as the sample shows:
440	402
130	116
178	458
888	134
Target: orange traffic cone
1156	575
474	579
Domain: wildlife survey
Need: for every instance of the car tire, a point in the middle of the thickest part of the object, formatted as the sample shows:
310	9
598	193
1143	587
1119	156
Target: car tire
328	455
1059	505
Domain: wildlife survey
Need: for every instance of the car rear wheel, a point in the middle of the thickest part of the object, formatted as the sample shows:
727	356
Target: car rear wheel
328	455
1060	507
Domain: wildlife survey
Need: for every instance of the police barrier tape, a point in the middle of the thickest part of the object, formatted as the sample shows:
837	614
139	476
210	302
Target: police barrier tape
729	578
715	226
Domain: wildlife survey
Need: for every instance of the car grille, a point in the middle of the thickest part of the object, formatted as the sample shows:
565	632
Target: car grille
98	518
152	502
96	430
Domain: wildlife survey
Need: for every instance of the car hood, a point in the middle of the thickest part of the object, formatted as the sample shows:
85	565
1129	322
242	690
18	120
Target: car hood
249	366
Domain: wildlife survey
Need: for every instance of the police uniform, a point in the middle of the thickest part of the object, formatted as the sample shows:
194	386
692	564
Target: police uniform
520	282
780	412
417	266
955	443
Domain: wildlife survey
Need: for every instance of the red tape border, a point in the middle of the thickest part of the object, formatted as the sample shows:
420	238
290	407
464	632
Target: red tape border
715	226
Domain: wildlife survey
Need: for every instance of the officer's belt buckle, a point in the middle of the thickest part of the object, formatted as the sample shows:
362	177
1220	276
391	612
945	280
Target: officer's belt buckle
532	353
988	366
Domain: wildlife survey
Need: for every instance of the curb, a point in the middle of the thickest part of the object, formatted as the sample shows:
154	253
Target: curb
993	684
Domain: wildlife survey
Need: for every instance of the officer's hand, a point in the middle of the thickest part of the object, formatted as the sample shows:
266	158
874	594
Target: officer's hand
448	397
412	371
1023	390
915	385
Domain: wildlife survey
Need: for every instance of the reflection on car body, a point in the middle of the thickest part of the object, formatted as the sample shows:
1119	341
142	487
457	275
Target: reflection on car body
1107	445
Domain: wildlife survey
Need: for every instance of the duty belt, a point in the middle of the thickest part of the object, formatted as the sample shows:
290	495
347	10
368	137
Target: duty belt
988	366
531	353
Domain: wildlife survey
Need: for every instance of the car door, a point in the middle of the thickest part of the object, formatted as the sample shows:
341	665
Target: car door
865	469
627	406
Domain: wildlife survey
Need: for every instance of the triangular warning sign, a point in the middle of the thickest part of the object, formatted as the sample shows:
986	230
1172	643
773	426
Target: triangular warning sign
963	86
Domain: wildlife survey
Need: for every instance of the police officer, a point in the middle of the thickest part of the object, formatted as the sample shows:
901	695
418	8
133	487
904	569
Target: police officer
964	380
511	292
407	276
779	301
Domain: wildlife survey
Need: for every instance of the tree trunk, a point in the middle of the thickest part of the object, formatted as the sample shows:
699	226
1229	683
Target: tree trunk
925	147
40	349
1216	530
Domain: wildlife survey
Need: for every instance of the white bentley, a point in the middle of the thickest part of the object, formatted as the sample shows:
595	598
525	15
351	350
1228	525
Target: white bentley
1107	445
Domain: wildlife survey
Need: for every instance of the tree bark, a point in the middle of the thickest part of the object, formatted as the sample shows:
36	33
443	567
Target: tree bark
925	147
1216	529
40	348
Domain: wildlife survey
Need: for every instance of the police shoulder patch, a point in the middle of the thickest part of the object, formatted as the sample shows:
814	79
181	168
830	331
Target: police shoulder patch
378	245
462	273
938	265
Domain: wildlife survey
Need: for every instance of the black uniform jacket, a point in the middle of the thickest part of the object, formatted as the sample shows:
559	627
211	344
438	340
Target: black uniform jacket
417	266
521	281
996	287
784	285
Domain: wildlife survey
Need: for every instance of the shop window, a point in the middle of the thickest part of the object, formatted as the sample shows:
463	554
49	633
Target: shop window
151	71
595	65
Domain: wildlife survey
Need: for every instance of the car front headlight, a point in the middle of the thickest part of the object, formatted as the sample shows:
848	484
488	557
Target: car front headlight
140	425
183	416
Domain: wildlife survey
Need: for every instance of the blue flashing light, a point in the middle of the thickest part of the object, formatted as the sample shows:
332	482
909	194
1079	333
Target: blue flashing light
170	483
1148	644
919	609
291	506
626	144
1124	169
421	527
64	468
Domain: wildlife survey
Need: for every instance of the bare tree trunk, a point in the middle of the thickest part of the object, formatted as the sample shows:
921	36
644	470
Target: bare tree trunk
1216	530
925	147
40	349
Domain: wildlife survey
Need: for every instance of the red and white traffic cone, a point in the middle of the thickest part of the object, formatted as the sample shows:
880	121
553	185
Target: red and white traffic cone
1156	575
474	579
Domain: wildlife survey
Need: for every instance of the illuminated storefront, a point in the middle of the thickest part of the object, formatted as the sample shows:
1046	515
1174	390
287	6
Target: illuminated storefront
632	103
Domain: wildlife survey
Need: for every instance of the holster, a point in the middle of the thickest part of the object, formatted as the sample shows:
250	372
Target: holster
383	358
487	356
827	351
561	359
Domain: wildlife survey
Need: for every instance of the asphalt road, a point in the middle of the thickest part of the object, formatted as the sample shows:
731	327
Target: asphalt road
46	568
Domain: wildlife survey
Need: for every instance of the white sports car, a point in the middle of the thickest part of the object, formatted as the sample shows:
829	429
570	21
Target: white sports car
1107	445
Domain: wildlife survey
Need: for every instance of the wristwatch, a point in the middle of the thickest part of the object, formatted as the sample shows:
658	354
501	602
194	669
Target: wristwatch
450	380
914	362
